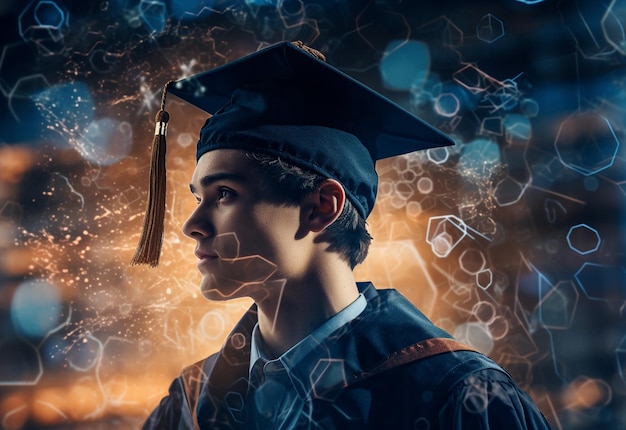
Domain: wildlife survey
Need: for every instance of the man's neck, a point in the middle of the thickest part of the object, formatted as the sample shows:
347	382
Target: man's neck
294	311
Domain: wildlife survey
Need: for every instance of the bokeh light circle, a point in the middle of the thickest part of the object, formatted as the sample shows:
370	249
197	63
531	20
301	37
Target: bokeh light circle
36	308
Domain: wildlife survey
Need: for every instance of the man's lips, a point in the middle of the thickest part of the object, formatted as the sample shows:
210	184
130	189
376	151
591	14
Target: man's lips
205	259
202	255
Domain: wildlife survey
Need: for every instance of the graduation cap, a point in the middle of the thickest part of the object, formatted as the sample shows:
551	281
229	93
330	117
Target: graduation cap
286	101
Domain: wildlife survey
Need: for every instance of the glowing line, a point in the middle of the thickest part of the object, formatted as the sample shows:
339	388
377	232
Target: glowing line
37	378
16	86
553	356
445	273
99	378
582	18
566	197
97	359
60	326
425	271
53	407
579	96
106	214
10	413
477	232
280	299
80	196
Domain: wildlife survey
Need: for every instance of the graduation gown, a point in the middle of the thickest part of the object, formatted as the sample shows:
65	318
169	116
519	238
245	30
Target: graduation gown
389	368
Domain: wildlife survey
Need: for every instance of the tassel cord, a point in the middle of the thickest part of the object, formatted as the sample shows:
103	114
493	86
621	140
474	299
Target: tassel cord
148	249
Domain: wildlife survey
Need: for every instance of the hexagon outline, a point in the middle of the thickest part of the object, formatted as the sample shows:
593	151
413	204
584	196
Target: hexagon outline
578	251
580	169
465	253
455	221
490	17
56	6
39	374
552	291
621	349
580	284
621	48
481	285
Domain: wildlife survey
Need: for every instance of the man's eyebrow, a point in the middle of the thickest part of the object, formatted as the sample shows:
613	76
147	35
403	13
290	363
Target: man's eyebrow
207	180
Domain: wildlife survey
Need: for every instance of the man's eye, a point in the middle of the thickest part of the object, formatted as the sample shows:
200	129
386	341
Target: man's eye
224	193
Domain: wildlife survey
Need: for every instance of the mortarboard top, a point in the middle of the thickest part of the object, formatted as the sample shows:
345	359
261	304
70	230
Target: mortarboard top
286	101
384	127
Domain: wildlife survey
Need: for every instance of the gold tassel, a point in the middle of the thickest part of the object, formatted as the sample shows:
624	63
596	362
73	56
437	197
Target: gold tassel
149	247
314	52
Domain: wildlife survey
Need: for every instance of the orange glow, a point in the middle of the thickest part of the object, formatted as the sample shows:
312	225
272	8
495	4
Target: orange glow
16	261
14	162
85	400
14	411
49	406
585	393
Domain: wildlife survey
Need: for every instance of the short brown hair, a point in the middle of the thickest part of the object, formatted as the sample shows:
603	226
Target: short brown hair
348	235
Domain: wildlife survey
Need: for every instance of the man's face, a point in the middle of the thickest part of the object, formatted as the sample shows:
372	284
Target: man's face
247	237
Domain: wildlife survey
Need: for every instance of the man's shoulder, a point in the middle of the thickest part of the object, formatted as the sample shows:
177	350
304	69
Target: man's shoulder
448	369
198	372
393	321
436	362
389	323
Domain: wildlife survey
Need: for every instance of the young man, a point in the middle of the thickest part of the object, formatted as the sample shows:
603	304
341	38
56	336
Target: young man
284	182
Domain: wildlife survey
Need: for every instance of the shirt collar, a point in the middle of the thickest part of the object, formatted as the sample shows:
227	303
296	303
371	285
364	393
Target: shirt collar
303	355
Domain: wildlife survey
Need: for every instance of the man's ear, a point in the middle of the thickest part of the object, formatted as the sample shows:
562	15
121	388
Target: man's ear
324	205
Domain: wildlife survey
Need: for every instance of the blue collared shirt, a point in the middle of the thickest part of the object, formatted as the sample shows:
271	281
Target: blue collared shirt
283	385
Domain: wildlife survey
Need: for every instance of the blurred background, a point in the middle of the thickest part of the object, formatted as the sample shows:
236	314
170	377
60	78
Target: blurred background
513	239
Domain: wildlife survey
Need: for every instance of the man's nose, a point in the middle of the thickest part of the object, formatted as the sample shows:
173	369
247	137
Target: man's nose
197	225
